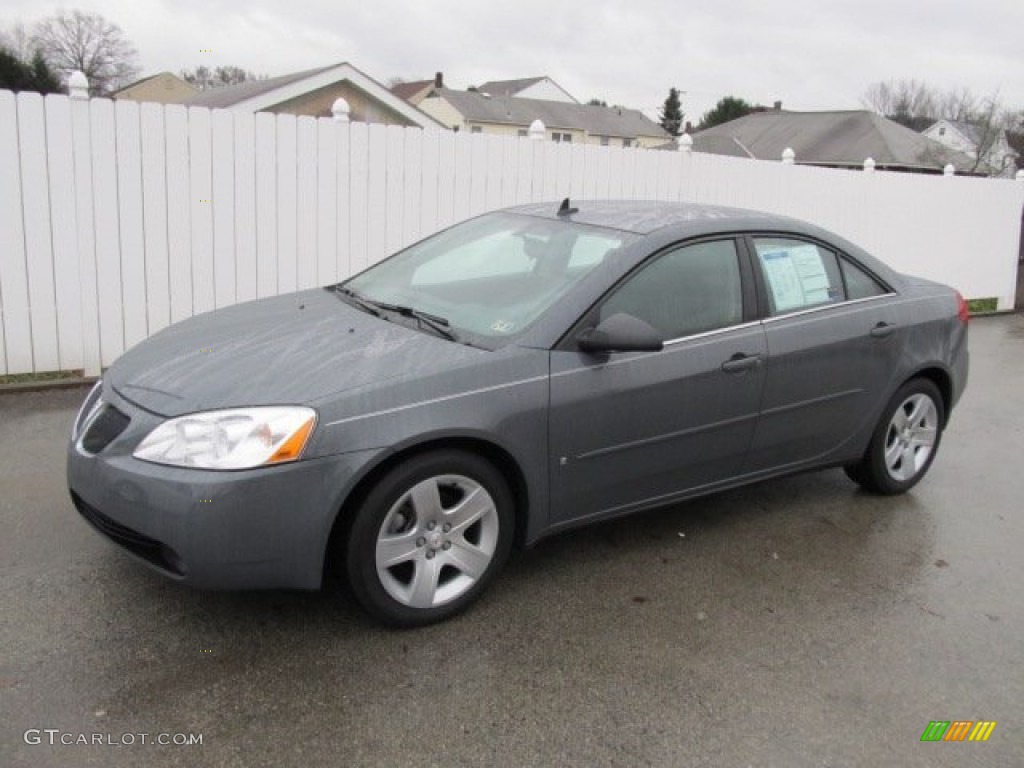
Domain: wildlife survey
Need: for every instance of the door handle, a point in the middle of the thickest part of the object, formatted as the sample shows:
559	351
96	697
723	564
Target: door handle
883	330
741	362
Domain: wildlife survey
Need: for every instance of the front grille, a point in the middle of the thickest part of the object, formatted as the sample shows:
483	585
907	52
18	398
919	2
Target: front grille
148	549
104	427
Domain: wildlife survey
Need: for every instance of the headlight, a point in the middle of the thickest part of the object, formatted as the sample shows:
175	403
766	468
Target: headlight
240	438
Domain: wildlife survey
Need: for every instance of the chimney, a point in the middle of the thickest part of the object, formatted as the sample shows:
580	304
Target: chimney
777	106
439	80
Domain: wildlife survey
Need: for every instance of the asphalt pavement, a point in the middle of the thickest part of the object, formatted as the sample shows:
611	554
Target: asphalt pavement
799	622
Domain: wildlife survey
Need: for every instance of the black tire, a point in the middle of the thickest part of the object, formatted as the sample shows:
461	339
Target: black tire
873	472
437	555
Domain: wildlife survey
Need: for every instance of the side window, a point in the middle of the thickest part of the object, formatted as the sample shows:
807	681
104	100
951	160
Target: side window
798	275
689	290
859	284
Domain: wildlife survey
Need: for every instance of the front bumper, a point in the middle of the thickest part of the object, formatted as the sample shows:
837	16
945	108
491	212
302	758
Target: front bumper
252	529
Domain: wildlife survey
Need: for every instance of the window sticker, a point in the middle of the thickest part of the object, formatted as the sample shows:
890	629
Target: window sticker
797	277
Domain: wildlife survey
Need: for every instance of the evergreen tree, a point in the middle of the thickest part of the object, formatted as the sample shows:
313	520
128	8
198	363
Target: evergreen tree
729	108
672	113
35	75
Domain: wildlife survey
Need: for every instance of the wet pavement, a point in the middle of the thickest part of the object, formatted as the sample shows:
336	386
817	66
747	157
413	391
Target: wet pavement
795	623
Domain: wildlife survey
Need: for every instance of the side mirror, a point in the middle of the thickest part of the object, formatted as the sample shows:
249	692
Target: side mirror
621	333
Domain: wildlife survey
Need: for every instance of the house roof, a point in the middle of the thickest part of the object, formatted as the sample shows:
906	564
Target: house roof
140	81
842	138
408	90
153	77
510	87
507	110
231	95
257	95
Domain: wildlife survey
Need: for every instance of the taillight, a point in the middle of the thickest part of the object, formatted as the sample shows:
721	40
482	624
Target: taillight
961	309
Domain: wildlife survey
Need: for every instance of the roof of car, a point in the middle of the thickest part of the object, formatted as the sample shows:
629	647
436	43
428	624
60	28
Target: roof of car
686	220
643	217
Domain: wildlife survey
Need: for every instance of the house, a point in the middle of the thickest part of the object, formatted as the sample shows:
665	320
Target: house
998	157
840	139
313	92
528	88
477	111
162	88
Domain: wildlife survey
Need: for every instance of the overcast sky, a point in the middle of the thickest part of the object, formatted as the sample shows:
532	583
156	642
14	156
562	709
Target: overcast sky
810	54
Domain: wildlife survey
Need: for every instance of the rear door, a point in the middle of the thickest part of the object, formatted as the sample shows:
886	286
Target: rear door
833	346
630	429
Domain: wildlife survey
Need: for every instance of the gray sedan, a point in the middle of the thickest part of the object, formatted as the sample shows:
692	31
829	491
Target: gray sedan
516	375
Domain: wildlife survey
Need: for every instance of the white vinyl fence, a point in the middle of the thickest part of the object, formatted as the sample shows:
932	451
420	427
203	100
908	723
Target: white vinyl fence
117	219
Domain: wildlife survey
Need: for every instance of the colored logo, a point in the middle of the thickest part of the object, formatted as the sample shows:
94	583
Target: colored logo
958	730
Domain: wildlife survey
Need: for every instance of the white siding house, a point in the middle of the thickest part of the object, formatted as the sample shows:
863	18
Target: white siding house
997	153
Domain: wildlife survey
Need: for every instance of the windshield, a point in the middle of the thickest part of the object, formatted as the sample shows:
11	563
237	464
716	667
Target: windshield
489	277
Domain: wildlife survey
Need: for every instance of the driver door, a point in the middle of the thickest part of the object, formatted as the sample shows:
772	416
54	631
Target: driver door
634	429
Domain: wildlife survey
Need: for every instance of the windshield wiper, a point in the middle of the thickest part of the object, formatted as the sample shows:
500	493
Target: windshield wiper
439	325
364	304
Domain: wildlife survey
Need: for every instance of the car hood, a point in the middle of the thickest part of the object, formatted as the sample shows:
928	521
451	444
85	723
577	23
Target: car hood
288	349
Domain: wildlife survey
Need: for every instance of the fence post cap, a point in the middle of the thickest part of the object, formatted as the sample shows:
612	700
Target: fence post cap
341	110
869	164
949	170
78	85
686	143
537	129
788	156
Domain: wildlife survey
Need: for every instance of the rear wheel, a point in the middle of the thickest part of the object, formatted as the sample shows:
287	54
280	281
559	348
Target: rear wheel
430	537
905	441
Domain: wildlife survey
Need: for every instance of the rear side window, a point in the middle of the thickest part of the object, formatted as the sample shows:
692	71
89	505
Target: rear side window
859	284
798	275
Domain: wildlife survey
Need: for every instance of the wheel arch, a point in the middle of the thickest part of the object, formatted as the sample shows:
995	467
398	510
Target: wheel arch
942	379
495	454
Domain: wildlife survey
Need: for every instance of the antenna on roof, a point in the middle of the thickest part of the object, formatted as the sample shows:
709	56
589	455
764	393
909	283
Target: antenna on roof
565	210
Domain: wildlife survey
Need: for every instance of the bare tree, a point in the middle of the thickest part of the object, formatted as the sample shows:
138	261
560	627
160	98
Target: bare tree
958	104
909	102
982	120
17	41
204	78
987	125
89	43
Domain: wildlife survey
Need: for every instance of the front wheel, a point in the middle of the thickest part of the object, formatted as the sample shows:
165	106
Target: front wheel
905	441
429	538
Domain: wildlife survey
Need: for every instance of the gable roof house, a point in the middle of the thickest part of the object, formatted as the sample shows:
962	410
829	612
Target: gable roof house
998	157
313	92
841	139
480	112
162	88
